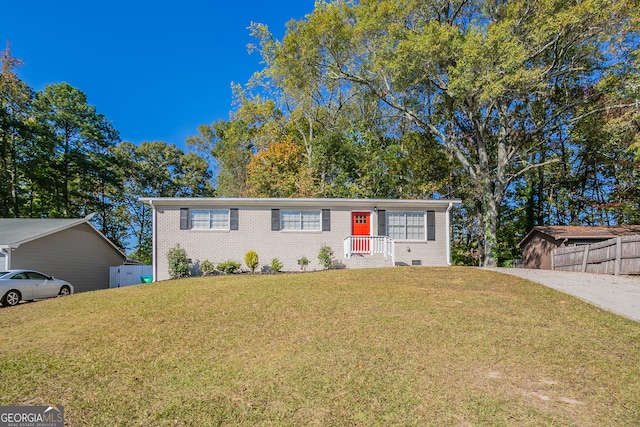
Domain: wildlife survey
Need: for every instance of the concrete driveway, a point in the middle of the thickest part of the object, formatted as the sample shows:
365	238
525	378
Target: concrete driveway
619	294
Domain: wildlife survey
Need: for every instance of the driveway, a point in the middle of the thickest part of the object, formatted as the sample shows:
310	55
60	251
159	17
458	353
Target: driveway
619	294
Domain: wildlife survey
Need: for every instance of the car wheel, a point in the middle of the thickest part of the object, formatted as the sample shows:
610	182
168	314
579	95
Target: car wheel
64	291
11	298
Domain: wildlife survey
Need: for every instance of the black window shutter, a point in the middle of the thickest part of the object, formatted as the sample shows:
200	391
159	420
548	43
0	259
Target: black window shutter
431	225
382	223
184	218
233	218
275	219
326	220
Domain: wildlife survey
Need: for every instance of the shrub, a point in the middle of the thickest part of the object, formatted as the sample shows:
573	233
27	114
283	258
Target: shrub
207	267
229	267
251	259
303	263
325	256
508	263
276	265
178	262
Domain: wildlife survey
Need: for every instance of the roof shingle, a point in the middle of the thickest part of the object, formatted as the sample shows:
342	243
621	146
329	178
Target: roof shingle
577	232
18	230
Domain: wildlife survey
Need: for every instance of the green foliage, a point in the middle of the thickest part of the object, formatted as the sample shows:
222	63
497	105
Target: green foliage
156	169
178	262
59	158
303	263
251	260
388	99
207	267
21	163
229	267
507	263
276	265
325	256
228	143
82	159
487	81
142	255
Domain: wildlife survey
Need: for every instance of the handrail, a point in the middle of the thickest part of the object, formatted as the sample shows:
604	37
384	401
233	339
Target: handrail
370	245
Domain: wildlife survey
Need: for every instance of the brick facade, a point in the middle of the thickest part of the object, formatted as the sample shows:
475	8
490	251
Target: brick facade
255	233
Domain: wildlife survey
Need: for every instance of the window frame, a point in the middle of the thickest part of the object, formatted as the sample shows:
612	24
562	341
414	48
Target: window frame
317	220
405	214
212	220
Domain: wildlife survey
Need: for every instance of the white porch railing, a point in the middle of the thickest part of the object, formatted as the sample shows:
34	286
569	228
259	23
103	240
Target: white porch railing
370	245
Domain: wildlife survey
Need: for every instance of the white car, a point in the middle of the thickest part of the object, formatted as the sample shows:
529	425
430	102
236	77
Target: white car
18	285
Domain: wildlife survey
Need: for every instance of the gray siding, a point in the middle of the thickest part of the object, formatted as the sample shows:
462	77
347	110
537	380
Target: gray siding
78	255
255	233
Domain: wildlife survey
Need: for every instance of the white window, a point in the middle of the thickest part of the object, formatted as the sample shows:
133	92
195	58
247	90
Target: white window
406	225
301	220
210	219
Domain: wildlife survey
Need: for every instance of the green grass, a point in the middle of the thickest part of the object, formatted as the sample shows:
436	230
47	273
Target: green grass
398	346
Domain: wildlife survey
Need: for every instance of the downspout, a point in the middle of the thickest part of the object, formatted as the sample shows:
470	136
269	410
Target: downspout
448	226
154	260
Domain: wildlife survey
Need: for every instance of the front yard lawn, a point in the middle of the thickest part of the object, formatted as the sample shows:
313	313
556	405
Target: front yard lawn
396	346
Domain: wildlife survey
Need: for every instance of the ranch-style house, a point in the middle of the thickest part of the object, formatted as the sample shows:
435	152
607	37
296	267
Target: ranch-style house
361	232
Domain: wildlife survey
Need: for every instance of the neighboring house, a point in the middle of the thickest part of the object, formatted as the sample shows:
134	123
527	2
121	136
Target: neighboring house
69	249
361	232
540	242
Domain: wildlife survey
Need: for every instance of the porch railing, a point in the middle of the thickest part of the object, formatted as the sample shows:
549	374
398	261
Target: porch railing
370	245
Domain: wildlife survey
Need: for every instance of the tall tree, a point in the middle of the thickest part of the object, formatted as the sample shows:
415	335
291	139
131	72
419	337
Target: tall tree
229	144
491	81
351	146
314	105
82	156
278	171
19	157
155	169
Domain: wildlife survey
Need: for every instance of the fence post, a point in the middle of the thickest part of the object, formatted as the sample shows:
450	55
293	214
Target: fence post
617	265
585	258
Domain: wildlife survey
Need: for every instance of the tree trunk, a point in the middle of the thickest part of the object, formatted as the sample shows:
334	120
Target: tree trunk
493	186
65	174
490	228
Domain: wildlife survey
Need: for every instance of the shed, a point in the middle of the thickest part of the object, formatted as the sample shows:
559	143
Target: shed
540	242
69	249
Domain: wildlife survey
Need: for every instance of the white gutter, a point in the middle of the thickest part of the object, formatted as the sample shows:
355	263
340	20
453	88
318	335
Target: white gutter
448	227
154	260
355	204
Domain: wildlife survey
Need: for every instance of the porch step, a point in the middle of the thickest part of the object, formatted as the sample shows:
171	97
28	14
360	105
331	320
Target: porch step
366	261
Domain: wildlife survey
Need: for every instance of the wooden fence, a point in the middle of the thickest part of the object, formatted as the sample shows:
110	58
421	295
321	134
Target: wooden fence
620	255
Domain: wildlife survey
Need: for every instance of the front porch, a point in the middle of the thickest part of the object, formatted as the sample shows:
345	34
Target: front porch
371	251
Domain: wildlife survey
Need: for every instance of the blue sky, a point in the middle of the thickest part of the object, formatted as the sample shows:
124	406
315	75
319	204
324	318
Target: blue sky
155	69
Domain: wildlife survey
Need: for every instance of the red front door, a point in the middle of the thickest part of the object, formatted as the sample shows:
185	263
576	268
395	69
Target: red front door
360	226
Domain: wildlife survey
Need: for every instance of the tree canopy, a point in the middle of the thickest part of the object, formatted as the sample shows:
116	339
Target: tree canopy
60	158
528	110
494	83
